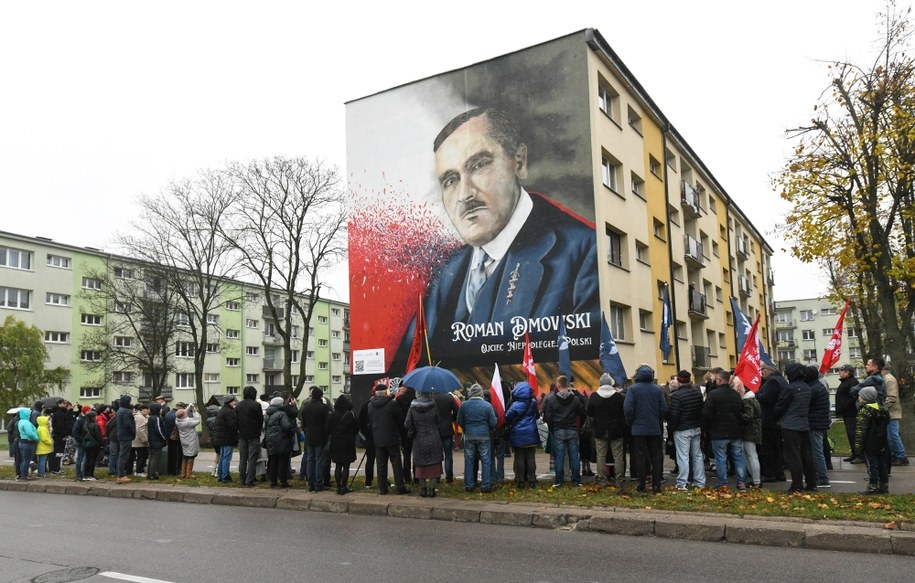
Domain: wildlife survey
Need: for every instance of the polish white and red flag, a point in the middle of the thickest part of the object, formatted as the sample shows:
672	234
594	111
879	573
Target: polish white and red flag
528	364
496	397
833	351
749	367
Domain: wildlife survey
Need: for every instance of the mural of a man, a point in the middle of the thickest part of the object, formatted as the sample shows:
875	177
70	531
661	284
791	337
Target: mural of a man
524	255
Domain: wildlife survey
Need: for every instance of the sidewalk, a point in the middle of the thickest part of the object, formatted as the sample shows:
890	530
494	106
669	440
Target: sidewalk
845	536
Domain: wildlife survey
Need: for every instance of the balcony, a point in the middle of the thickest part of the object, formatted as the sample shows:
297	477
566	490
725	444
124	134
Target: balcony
266	313
698	308
689	200
701	357
770	277
273	364
693	252
785	324
743	285
786	344
146	394
272	339
743	249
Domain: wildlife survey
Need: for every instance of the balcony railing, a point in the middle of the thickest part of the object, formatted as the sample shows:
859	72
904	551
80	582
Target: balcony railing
689	200
743	251
697	304
693	251
280	313
273	364
701	357
743	284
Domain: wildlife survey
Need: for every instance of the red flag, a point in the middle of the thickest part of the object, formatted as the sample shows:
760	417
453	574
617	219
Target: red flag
528	364
419	336
834	349
496	398
749	368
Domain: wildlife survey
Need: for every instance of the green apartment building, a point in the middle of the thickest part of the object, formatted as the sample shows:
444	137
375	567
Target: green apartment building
57	288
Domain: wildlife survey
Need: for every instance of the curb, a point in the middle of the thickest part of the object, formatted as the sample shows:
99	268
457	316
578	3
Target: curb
844	536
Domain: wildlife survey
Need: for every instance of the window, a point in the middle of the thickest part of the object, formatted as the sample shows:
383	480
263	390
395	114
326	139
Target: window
852	332
252	350
232	362
249	323
608	100
641	253
92	283
784	336
58	261
294	332
854	352
309	378
90	392
634	120
123	341
250	297
637	185
718	294
322	366
783	317
335	311
658	229
54	299
15	258
808	335
11	297
233	390
251	378
335	378
322	319
715	248
212	347
184	349
618	316
91	319
184	380
335	334
311	330
830	311
310	354
827	331
610	170
335	356
294	355
722	343
671	159
322	342
123	273
120	308
712	205
90	355
231	333
213	319
654	166
211	377
121	376
806	315
810	354
645	322
232	306
57	337
182	319
786	355
615	242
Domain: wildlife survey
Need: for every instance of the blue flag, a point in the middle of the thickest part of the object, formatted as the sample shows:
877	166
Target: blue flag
742	325
565	363
610	359
666	321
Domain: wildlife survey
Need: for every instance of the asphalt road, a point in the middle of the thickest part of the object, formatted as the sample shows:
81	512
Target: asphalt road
49	538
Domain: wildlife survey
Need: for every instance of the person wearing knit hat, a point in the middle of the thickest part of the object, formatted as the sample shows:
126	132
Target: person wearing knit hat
685	422
871	441
478	419
684	376
278	431
608	426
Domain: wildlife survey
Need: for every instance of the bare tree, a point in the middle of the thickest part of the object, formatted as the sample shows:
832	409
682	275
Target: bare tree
288	226
140	328
180	230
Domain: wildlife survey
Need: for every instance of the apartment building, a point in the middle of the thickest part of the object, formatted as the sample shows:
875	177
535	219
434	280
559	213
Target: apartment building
58	288
596	145
803	329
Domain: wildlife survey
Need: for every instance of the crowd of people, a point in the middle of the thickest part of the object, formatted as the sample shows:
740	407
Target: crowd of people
717	428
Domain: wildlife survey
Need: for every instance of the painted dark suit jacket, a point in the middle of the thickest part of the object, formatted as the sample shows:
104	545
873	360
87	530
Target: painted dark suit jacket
550	269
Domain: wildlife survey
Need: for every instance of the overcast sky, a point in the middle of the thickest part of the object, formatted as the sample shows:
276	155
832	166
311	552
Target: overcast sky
103	101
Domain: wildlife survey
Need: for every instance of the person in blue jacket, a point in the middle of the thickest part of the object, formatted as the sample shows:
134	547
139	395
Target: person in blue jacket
524	438
28	441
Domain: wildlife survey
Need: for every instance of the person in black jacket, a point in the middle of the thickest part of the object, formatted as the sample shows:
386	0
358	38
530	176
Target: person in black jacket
386	422
126	432
685	421
771	459
158	441
250	422
448	406
365	429
225	437
845	404
722	414
314	416
818	417
61	425
342	427
793	414
404	400
608	427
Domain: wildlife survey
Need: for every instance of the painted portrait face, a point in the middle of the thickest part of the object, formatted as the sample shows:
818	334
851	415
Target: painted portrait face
480	181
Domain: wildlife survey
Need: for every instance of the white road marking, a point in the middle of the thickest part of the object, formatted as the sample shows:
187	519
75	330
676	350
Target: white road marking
132	578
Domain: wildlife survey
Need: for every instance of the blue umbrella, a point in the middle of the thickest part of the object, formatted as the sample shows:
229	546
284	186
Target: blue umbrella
431	379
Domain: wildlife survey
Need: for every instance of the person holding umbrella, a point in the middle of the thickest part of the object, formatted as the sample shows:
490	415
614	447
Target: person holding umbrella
423	429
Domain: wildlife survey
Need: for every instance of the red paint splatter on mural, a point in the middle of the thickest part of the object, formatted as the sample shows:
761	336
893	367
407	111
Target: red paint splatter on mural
395	249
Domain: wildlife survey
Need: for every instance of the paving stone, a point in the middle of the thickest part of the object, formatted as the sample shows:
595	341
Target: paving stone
408	510
198	497
78	489
551	518
622	523
507	517
37	486
903	543
847	538
456	513
101	490
170	495
293	503
328	505
689	528
758	532
245	499
146	493
16	486
368	507
120	493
